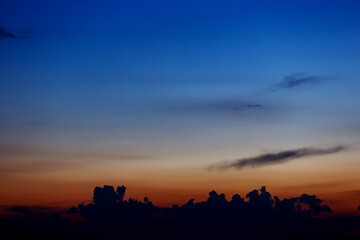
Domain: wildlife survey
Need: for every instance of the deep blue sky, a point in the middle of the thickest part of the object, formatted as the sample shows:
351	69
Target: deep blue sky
178	83
128	65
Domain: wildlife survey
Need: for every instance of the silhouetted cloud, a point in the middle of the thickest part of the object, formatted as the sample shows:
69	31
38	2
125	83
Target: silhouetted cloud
21	209
110	204
297	80
72	210
258	215
32	210
276	158
5	34
305	205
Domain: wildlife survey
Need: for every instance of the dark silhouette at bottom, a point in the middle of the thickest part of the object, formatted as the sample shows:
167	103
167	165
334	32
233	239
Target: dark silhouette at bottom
257	216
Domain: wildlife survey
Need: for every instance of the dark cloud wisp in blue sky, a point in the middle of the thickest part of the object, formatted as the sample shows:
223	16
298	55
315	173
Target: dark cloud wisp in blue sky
276	158
297	80
6	34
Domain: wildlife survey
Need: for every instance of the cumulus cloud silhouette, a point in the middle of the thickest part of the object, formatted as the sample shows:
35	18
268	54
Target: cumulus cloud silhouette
297	80
109	204
275	158
257	215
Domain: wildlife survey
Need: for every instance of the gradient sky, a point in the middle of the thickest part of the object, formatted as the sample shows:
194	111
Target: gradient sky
150	94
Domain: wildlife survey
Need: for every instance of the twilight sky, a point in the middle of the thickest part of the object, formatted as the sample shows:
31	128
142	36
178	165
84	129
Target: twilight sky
176	98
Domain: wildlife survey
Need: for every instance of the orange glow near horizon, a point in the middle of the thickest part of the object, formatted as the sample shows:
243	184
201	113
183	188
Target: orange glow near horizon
165	188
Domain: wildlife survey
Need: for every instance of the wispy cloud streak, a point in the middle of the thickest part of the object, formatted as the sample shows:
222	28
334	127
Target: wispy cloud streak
297	80
275	158
5	34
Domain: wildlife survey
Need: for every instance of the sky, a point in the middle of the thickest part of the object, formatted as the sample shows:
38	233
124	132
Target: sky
177	98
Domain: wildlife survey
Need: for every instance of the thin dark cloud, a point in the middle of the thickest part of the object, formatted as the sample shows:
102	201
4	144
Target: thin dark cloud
254	106
20	209
297	80
23	34
275	158
31	210
227	105
237	106
5	34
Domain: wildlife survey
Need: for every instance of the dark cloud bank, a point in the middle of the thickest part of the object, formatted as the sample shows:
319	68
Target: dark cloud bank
275	158
257	216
